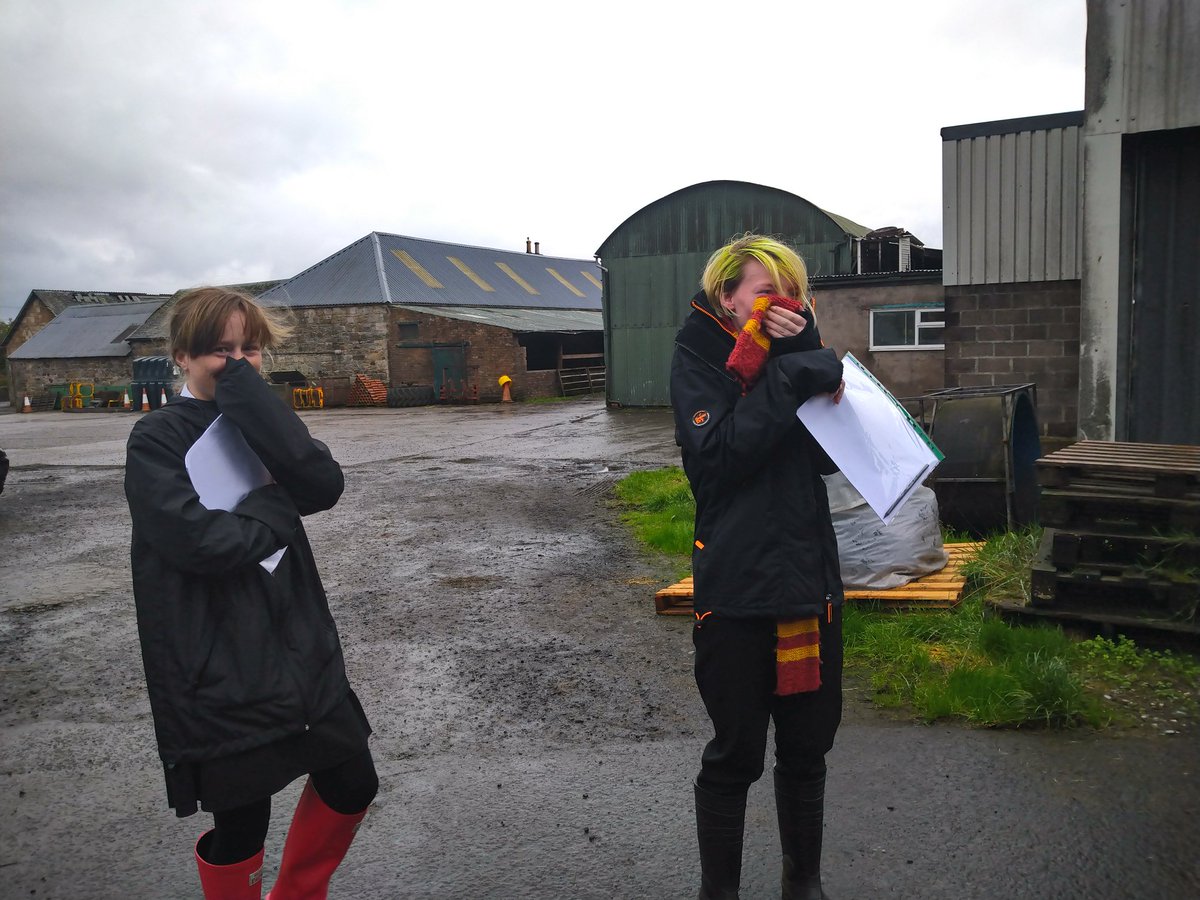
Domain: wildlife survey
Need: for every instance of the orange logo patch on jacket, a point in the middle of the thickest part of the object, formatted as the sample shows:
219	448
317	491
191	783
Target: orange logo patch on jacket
701	417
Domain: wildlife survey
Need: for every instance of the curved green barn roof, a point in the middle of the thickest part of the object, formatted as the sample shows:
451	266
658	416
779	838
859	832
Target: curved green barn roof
653	262
701	217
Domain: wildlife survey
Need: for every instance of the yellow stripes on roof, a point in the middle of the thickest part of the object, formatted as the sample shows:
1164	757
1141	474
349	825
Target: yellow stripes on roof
570	287
503	267
466	270
417	269
593	279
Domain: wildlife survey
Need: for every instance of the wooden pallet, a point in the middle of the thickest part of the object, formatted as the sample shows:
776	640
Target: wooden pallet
1124	469
1078	510
1120	551
1107	584
1109	623
941	590
675	600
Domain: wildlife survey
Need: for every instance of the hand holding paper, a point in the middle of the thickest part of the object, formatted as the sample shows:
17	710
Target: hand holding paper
224	470
873	440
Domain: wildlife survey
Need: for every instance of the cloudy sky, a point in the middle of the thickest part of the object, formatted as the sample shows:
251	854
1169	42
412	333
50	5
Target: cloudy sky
150	146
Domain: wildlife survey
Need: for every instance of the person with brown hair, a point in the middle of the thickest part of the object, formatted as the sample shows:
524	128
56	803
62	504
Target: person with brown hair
243	662
767	587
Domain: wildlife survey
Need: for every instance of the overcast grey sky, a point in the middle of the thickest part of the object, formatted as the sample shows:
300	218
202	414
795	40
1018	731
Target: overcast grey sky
149	145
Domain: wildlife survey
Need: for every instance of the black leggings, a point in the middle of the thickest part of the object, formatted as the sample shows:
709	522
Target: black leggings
238	834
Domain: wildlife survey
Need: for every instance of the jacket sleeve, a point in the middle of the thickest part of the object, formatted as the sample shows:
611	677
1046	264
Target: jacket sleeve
296	460
168	515
725	438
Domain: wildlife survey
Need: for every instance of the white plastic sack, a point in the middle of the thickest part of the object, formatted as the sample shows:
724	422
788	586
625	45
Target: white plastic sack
875	556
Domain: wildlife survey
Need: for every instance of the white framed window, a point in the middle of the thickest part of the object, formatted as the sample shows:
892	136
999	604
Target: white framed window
915	326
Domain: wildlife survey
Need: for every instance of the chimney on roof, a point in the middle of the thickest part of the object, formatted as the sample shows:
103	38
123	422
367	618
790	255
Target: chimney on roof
527	250
537	248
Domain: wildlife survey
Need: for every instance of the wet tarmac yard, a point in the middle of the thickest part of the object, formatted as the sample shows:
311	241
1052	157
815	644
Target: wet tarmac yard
536	725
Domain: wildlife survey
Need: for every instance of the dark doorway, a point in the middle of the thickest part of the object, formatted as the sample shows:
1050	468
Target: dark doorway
1164	367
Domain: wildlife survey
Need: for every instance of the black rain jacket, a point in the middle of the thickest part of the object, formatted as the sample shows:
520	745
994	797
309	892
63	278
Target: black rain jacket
235	657
764	540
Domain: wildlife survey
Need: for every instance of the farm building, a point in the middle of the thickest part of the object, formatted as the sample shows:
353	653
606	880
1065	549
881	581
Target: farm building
654	259
1140	216
85	342
891	321
450	317
1069	238
1012	259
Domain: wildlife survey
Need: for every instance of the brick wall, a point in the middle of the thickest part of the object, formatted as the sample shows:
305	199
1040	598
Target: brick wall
1015	333
492	352
844	316
34	376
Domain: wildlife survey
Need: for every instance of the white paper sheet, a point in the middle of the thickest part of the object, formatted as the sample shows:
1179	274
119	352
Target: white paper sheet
875	443
224	470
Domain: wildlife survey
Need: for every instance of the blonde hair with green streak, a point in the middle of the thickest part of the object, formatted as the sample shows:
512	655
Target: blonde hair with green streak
723	272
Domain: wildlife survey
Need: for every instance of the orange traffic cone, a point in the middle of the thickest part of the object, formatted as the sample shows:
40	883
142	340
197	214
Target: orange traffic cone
28	407
162	400
505	381
126	404
145	401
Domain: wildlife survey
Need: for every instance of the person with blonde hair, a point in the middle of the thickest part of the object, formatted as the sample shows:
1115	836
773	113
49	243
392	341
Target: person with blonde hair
767	588
243	663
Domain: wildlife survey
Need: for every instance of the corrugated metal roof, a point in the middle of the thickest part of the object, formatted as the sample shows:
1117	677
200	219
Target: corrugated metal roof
702	217
57	301
848	225
568	320
87	331
393	268
158	326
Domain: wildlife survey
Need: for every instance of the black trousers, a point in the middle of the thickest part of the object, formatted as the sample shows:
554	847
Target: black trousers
735	671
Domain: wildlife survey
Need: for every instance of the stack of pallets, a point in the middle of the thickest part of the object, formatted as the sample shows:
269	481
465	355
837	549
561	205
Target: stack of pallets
1121	547
941	590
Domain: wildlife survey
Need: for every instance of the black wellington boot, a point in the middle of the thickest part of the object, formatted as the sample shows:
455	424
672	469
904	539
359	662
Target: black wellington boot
720	821
801	808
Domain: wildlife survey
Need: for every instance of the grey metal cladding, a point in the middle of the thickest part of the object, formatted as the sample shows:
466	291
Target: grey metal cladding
350	276
88	331
408	270
519	320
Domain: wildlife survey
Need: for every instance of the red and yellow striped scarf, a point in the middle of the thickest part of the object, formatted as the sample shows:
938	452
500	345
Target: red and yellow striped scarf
797	656
753	347
797	641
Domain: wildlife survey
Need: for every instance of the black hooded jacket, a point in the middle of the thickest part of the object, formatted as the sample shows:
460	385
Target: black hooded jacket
764	541
235	657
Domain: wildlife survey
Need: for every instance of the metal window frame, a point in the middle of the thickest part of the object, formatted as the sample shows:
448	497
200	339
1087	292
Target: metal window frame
918	310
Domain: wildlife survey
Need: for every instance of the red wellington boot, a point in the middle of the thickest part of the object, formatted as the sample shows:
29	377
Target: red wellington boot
317	840
238	881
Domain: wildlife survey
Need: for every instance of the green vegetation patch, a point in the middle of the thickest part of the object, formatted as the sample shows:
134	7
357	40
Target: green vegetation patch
661	510
963	663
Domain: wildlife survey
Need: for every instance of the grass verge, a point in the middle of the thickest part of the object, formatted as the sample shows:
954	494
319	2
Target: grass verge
964	664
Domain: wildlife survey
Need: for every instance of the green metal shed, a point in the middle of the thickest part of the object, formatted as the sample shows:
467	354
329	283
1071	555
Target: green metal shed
654	259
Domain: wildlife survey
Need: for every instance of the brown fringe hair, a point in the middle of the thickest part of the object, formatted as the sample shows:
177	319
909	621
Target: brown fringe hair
199	318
